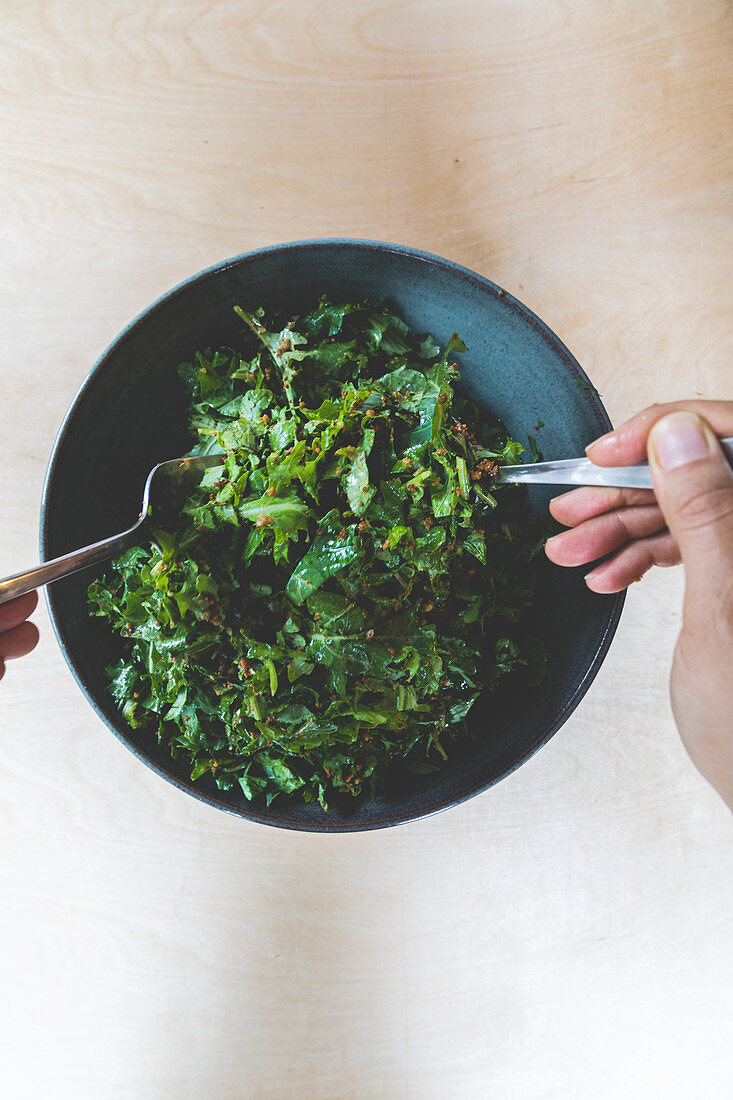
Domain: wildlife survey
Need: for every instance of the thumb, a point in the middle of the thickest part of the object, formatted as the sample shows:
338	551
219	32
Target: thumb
694	487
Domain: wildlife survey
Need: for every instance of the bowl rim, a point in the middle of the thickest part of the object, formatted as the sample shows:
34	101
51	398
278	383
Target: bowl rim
251	812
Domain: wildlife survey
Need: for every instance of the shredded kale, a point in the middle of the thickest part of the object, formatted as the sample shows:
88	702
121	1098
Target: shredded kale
339	592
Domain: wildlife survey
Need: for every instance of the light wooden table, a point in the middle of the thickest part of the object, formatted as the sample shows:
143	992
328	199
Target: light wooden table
569	933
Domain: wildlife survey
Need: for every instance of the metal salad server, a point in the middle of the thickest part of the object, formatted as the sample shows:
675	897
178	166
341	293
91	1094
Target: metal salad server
167	485
581	471
169	482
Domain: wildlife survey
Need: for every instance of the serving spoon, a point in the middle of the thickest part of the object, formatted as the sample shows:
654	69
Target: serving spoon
168	483
581	471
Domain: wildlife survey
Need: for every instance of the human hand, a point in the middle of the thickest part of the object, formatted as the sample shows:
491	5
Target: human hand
688	518
17	637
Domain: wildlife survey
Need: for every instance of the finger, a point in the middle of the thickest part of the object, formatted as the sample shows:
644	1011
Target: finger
17	611
694	486
627	444
19	641
632	562
2	669
603	534
582	504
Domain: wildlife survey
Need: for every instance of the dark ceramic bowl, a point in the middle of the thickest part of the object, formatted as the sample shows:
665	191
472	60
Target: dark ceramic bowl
130	414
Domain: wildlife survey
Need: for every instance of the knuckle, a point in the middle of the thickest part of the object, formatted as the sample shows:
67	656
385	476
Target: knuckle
708	508
634	497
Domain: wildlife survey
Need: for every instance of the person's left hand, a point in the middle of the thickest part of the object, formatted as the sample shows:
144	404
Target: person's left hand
17	637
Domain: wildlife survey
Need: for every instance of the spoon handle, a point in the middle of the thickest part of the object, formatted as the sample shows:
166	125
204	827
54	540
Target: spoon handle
581	471
53	570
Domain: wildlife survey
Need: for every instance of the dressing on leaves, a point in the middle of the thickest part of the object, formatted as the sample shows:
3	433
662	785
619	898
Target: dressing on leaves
339	592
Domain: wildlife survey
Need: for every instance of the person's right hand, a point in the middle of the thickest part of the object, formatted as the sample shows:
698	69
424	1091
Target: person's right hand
17	637
689	517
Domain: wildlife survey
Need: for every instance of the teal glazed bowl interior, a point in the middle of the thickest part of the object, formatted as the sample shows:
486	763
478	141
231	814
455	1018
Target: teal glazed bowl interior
130	414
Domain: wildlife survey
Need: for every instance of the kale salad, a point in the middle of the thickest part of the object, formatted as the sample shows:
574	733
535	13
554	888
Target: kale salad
335	595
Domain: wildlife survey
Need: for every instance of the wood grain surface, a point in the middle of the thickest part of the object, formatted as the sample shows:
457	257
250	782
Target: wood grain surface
568	934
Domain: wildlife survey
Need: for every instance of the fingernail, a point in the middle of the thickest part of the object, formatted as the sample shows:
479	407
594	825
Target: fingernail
592	573
678	439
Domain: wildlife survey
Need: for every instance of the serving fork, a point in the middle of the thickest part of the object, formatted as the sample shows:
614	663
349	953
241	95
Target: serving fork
168	484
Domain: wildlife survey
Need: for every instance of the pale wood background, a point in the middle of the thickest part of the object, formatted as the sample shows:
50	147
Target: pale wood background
567	934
